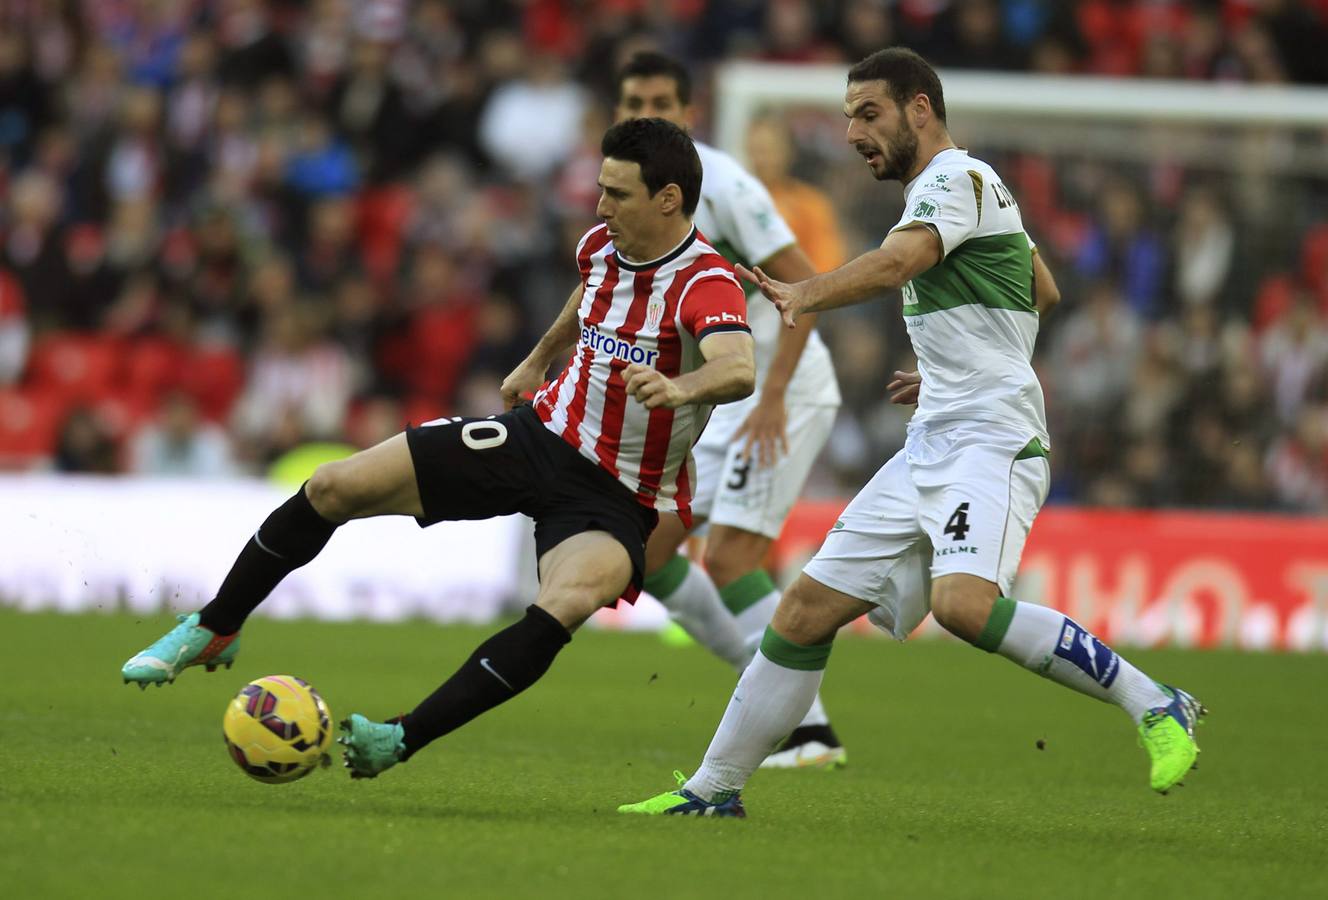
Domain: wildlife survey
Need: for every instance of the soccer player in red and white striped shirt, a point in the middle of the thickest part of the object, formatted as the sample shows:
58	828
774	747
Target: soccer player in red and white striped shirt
658	333
640	325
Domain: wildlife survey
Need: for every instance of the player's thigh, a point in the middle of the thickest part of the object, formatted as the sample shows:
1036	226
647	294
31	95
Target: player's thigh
758	498
469	468
581	574
872	553
374	482
664	542
585	499
977	506
812	613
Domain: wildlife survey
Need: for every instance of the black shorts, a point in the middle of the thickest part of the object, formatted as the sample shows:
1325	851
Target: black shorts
481	468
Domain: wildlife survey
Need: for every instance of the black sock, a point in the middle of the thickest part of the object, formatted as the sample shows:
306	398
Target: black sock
293	535
499	669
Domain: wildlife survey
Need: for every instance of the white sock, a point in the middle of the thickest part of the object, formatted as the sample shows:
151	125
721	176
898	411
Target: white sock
769	701
693	602
752	622
816	715
1052	644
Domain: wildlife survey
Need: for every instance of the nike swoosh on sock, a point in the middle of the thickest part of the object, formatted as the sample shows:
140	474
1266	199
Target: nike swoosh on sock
484	664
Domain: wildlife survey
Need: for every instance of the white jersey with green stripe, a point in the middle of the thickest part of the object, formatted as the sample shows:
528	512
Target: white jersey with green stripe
738	217
973	317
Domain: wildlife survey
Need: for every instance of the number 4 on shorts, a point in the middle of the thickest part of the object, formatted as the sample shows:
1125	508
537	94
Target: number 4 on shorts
957	527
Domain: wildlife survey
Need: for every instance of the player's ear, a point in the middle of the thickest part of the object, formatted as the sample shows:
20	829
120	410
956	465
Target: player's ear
920	109
669	199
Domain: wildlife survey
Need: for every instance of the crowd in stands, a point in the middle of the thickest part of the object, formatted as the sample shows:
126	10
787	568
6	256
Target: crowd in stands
232	227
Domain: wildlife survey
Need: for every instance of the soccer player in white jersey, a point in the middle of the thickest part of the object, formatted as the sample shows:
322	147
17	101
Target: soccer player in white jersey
940	528
658	330
754	456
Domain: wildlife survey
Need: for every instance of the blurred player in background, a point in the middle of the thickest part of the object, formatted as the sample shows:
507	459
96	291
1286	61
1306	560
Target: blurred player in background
942	525
805	207
755	455
657	329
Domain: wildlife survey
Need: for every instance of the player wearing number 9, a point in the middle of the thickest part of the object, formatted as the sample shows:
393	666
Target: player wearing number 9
657	329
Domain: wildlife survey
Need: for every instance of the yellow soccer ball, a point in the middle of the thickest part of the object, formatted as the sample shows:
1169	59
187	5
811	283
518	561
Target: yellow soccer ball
278	729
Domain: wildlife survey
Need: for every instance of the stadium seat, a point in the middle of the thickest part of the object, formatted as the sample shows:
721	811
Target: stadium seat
78	366
154	366
29	424
214	377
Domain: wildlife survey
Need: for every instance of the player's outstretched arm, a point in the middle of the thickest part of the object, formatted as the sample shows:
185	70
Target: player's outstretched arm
728	374
905	253
526	378
765	430
1044	286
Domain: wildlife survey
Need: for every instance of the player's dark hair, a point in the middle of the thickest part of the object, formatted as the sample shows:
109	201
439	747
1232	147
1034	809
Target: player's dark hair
905	73
648	64
664	152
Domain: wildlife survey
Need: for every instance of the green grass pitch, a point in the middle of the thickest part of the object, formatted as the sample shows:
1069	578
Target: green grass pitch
111	792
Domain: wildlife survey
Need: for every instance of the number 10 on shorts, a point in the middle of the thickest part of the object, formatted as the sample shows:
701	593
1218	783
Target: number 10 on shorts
477	434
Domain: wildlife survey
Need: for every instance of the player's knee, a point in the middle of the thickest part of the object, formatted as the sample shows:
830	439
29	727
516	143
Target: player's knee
570	604
800	620
733	555
722	566
960	609
331	492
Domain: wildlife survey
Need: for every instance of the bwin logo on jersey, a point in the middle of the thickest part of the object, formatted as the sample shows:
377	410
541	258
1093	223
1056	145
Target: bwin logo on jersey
616	347
1094	658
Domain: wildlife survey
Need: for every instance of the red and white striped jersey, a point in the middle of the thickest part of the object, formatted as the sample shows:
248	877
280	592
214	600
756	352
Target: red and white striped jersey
656	314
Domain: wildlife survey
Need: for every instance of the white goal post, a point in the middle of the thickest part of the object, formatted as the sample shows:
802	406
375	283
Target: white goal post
743	90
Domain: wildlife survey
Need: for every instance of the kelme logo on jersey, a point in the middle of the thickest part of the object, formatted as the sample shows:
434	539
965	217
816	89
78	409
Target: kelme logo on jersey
616	347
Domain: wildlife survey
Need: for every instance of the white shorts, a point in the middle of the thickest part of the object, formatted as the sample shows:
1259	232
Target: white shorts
744	494
961	500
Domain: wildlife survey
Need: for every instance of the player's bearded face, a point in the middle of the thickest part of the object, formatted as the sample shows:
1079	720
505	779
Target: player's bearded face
880	132
899	154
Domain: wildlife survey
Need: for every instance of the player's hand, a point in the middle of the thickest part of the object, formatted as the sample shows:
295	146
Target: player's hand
765	430
904	388
520	385
652	389
788	298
